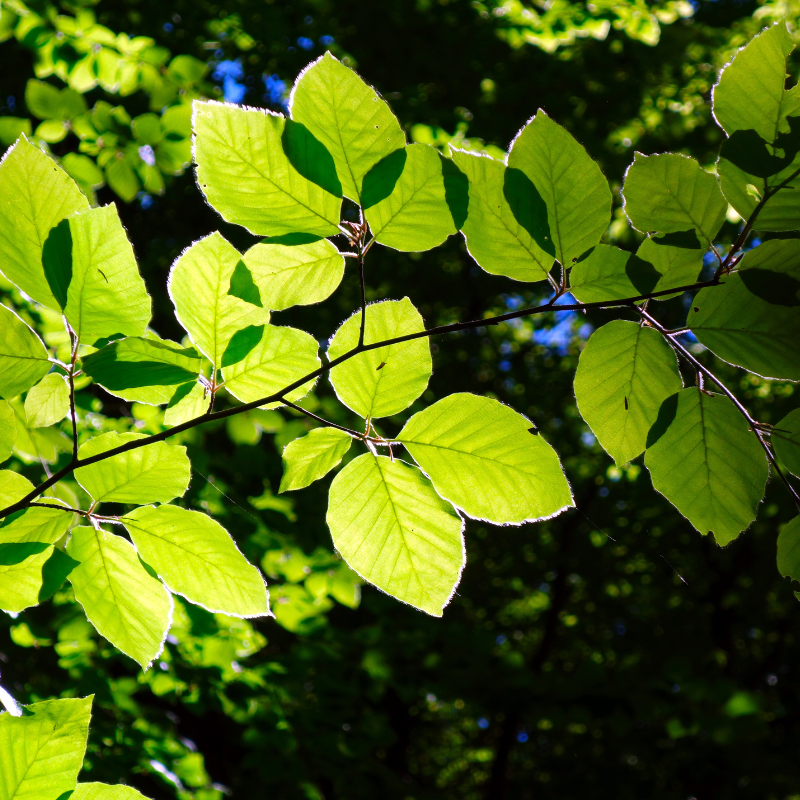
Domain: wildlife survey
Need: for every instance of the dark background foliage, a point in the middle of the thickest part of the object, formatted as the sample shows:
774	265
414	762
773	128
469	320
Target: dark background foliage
609	653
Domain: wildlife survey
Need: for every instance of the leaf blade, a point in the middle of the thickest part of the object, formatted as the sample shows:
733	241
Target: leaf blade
312	456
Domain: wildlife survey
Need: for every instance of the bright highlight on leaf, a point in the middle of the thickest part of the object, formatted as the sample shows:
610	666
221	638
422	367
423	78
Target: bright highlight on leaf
214	295
196	558
347	117
8	431
624	374
42	751
124	602
563	178
102	791
487	459
313	456
23	357
246	176
156	473
48	401
386	380
689	453
394	530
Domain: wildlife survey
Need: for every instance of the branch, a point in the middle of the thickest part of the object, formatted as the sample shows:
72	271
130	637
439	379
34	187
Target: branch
354	434
754	425
279	395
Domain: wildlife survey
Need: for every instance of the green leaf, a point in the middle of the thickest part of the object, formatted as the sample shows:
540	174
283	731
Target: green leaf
30	572
486	459
190	401
275	358
48	401
751	93
124	602
8	432
405	199
11	128
392	528
669	193
313	456
43	100
290	275
92	272
156	473
246	176
42	751
103	791
567	181
789	550
35	524
347	117
13	487
706	462
143	370
35	195
786	441
624	374
384	381
197	559
122	179
52	130
753	319
204	285
23	357
608	273
506	223
82	169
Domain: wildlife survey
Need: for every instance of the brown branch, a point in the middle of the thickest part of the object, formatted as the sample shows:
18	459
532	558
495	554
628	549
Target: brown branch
279	395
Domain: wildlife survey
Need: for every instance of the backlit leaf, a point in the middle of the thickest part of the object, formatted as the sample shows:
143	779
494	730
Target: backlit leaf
13	487
392	528
789	550
156	473
144	370
30	572
624	374
48	401
569	184
347	117
753	319
103	791
670	193
386	380
8	430
786	441
124	602
276	358
290	275
405	199
506	224
23	357
313	456
35	195
42	751
190	401
706	462
246	176
196	558
487	459
33	524
214	295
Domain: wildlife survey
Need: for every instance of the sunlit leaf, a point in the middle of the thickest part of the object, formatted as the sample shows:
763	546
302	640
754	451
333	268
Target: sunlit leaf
156	473
48	401
41	752
34	524
103	791
124	602
506	223
347	118
35	195
313	456
246	176
624	374
394	530
214	295
567	181
196	558
23	357
30	572
190	401
753	319
386	380
487	459
706	462
13	487
8	431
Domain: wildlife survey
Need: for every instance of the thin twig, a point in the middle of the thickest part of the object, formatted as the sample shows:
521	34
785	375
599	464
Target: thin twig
276	396
754	425
354	434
